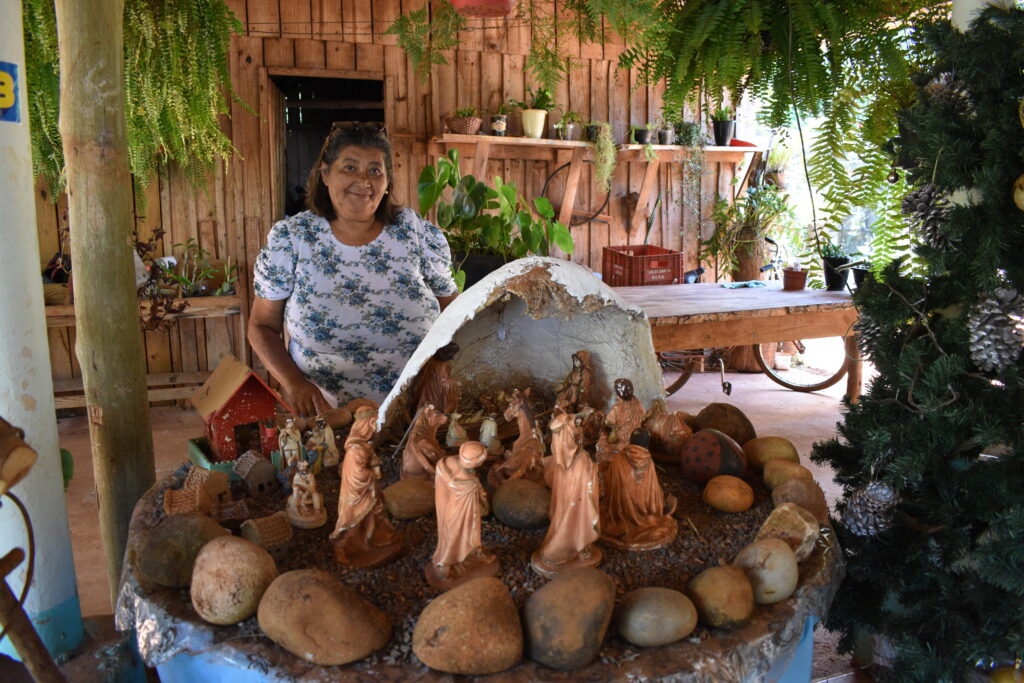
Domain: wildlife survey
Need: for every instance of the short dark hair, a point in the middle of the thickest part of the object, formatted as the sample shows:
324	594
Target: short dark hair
369	135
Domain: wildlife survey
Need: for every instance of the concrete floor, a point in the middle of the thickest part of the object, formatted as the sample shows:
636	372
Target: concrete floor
801	418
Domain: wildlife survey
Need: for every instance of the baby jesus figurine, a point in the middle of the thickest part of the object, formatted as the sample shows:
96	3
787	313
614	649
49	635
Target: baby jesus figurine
305	505
461	501
633	510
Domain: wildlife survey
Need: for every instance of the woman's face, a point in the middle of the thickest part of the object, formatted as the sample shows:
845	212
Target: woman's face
356	182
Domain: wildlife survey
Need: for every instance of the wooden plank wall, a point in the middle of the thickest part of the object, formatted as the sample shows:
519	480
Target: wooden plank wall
344	39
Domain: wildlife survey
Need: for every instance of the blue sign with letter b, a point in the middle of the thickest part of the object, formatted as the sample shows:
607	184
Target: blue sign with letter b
9	109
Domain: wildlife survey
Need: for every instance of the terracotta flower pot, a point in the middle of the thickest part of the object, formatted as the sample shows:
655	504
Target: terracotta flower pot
793	280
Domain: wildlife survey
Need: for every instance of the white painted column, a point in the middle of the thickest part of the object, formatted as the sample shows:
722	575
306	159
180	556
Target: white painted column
26	385
964	10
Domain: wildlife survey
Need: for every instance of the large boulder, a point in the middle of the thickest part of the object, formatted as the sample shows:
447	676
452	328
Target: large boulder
318	618
472	629
652	617
521	504
409	498
566	619
229	578
168	551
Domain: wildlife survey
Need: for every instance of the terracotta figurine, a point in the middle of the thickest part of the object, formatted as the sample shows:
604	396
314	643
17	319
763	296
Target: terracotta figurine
363	536
489	436
668	433
633	514
626	415
422	450
456	435
305	505
289	441
591	425
322	441
574	393
525	459
574	511
436	385
460	501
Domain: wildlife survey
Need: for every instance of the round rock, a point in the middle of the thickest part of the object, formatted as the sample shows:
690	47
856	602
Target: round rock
728	419
795	526
168	552
409	498
652	617
723	596
229	578
772	569
318	618
566	619
710	453
807	494
472	629
521	504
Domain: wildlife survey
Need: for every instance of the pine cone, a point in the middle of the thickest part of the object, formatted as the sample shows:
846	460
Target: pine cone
997	329
948	90
929	209
869	331
869	510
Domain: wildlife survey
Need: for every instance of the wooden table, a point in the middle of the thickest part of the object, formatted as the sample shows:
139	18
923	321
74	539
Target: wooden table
708	315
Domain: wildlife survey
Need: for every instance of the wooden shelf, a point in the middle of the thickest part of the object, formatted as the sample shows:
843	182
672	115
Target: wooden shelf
482	148
198	307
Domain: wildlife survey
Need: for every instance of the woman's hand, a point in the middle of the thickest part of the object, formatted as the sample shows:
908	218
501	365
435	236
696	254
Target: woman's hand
305	398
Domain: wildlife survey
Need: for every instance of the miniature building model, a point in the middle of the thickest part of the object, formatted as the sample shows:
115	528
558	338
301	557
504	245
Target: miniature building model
232	514
215	482
233	402
258	473
187	501
273	533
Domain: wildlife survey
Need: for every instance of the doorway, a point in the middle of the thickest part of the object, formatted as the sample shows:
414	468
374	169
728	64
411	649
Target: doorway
311	106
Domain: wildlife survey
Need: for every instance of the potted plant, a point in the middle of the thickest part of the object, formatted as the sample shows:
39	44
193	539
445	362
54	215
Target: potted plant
196	275
465	121
834	258
794	277
599	134
499	119
486	226
723	119
646	135
570	126
777	163
535	110
689	134
737	245
667	133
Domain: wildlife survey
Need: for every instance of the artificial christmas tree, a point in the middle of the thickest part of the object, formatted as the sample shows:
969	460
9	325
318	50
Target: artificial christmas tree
932	457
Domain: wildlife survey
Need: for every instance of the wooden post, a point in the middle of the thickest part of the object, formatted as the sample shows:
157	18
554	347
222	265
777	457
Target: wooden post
19	629
109	348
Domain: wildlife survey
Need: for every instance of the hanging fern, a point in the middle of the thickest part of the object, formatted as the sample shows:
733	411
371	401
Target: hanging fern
176	86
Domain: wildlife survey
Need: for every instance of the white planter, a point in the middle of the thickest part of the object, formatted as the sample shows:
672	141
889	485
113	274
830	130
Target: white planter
533	122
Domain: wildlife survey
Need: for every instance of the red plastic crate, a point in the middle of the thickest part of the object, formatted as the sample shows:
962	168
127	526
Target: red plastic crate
640	264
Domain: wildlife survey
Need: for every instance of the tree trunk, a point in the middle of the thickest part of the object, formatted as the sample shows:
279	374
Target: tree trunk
109	346
750	256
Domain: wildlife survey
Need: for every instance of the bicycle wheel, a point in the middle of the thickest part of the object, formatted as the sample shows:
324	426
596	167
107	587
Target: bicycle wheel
677	361
804	365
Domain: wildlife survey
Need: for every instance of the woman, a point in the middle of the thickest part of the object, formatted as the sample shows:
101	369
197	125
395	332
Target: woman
356	280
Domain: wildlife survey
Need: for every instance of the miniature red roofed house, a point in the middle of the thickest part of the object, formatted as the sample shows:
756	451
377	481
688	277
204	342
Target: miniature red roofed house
273	533
258	473
215	482
232	402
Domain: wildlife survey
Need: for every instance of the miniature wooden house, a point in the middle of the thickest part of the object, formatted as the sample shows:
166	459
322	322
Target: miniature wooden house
233	402
215	482
193	501
258	473
274	533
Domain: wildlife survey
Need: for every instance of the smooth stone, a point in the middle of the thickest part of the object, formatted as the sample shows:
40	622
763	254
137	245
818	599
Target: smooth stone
409	498
229	578
168	552
318	618
567	618
472	629
807	494
723	596
521	504
794	525
727	419
772	569
652	617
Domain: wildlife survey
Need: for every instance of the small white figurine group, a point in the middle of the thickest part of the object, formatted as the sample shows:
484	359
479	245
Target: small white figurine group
305	505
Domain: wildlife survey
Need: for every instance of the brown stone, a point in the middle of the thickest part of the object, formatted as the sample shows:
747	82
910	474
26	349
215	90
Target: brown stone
778	471
652	617
409	498
709	453
318	618
566	619
521	504
472	629
727	419
765	448
229	578
794	525
772	569
728	494
806	494
168	552
723	596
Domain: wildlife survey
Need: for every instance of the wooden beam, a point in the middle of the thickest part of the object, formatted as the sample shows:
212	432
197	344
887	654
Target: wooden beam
752	330
309	72
198	307
646	190
571	186
482	154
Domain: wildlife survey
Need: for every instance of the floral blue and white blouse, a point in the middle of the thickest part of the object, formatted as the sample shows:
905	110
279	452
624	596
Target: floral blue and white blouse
355	315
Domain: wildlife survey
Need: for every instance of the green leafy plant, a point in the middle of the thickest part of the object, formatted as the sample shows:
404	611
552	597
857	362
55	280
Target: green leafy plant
572	117
723	114
504	109
690	134
177	87
779	157
605	156
425	33
466	112
194	272
649	152
830	249
541	98
742	225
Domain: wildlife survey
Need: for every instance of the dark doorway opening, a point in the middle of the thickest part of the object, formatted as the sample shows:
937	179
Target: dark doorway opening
312	105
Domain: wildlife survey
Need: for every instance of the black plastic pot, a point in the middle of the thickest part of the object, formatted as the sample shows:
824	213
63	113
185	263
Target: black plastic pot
590	133
859	275
666	136
478	266
724	131
835	280
644	136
